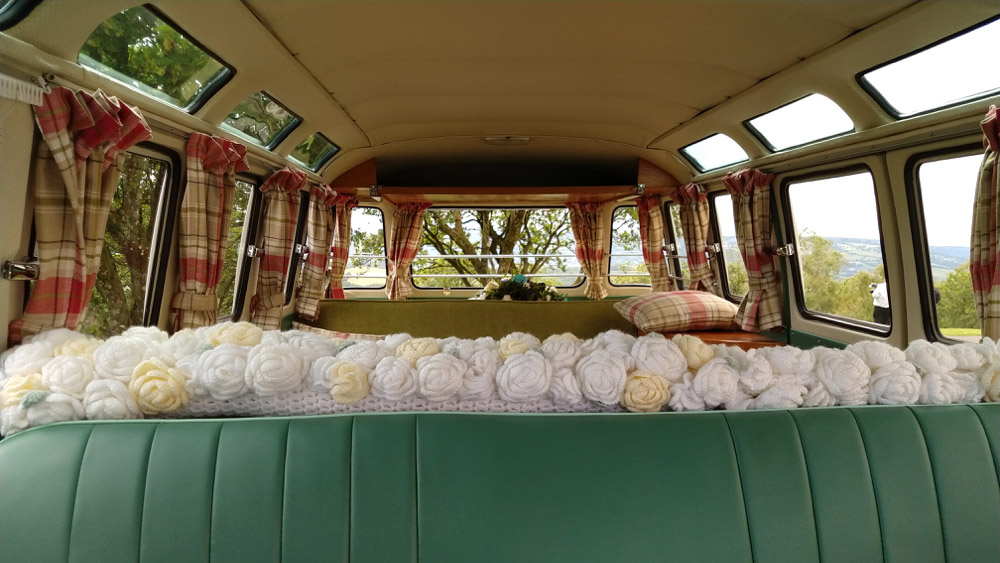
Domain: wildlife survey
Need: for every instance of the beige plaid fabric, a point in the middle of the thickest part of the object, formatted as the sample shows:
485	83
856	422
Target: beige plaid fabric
280	213
588	231
75	176
407	225
335	333
693	206
343	207
206	213
761	307
651	233
984	263
319	230
677	311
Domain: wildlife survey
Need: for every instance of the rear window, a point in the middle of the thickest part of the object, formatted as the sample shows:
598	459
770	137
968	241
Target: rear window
142	49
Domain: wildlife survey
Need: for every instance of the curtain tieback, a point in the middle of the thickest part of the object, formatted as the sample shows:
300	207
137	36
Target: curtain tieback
273	301
191	301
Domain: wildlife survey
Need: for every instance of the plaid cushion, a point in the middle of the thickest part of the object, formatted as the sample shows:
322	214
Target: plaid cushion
335	333
677	311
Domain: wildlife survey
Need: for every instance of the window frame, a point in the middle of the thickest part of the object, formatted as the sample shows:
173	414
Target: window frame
14	11
918	226
282	134
211	87
675	260
413	276
767	144
698	166
888	108
251	227
611	239
795	264
385	251
720	256
322	162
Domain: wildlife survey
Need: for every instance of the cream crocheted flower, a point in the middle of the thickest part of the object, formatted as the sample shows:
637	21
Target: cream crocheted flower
158	388
645	392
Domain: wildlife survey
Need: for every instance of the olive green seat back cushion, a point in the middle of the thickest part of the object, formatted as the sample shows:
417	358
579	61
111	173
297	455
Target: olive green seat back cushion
895	484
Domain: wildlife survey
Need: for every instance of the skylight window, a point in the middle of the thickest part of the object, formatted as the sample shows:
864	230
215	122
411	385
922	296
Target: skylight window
141	49
806	120
262	120
314	151
714	152
944	74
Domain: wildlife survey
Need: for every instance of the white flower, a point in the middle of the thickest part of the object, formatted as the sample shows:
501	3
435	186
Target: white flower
716	382
876	354
517	343
561	351
312	346
695	351
844	374
83	346
645	392
275	369
616	340
683	396
740	401
785	392
602	377
68	375
350	382
439	377
28	358
393	379
817	395
990	380
365	353
188	367
107	399
754	370
486	343
221	371
413	350
274	337
930	357
148	333
655	354
480	380
13	420
241	334
158	387
565	387
788	360
119	355
394	341
53	407
524	377
968	356
182	344
319	377
939	389
971	390
56	337
894	384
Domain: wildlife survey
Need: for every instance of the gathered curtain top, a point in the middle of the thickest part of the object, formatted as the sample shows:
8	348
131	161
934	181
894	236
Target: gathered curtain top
991	130
744	181
323	193
217	154
98	119
585	206
287	180
348	201
688	194
413	208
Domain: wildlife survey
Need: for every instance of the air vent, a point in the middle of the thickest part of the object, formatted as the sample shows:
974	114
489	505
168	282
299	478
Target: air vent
507	141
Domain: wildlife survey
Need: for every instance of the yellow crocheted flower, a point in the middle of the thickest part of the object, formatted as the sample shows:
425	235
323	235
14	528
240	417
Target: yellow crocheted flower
645	392
350	383
82	347
18	386
158	388
240	334
695	351
516	343
413	350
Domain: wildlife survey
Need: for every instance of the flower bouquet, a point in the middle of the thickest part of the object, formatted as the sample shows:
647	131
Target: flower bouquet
519	288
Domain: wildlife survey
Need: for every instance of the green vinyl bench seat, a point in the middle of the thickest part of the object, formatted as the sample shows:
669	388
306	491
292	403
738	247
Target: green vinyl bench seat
874	483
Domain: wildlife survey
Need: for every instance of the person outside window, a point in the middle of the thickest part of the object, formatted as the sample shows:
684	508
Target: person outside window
880	299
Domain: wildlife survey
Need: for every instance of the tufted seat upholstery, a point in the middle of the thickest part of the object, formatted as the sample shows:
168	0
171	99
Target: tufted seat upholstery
859	484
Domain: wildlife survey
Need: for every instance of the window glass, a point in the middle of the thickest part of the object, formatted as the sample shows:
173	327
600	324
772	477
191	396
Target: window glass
262	120
714	152
138	48
678	259
732	261
947	192
120	291
314	151
234	247
366	267
942	75
627	264
839	250
466	248
812	118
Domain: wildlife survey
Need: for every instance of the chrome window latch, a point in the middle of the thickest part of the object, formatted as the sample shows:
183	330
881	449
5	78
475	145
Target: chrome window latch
786	250
23	270
302	250
713	249
254	251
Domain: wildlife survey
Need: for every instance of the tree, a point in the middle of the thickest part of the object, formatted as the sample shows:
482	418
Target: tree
227	282
820	265
736	274
957	307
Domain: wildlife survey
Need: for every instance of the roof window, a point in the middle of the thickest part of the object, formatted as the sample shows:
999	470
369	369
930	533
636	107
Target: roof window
714	152
314	151
142	49
262	120
946	73
806	120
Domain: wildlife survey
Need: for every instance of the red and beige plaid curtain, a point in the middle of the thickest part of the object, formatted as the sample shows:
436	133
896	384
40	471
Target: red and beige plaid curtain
693	206
651	232
319	231
343	206
761	307
280	213
408	221
588	230
75	175
984	262
206	213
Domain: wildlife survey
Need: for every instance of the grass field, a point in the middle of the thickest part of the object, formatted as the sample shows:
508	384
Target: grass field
960	331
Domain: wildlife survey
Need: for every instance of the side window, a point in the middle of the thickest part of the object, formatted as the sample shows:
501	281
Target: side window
841	266
947	190
731	262
627	264
235	246
366	268
120	292
678	254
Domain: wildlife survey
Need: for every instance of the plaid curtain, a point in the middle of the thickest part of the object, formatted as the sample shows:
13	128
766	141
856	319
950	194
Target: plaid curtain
693	206
319	230
408	221
588	230
343	206
75	176
984	262
280	212
651	232
761	307
212	163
